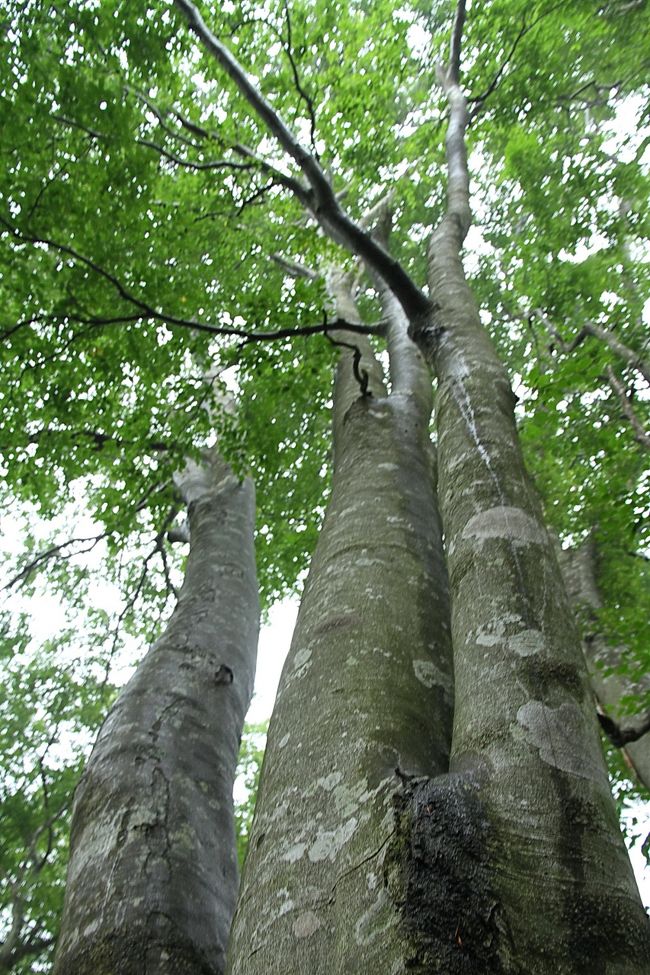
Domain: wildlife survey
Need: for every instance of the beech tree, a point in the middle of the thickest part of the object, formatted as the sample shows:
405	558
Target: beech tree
246	200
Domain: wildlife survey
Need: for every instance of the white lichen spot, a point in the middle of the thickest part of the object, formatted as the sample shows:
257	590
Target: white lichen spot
294	852
562	738
286	907
301	658
305	925
374	921
507	522
527	643
426	672
328	782
328	843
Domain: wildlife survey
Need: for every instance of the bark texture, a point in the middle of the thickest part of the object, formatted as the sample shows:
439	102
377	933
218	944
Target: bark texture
611	685
152	879
364	703
536	837
526	741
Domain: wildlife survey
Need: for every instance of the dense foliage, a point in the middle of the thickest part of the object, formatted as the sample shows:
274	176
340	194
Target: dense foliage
147	232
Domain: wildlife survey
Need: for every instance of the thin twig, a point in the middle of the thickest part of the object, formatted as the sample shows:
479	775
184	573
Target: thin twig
296	80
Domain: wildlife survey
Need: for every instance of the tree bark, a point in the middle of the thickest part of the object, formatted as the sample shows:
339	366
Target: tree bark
541	876
152	879
364	702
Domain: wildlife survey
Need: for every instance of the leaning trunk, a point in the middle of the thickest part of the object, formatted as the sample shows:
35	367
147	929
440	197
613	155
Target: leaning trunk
611	682
152	879
364	704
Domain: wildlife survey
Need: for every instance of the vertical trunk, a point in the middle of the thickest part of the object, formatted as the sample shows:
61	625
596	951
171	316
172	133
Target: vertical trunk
610	683
152	879
364	703
558	892
525	731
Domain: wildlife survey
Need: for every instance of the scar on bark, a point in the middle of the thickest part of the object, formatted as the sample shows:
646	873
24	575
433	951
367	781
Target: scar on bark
223	675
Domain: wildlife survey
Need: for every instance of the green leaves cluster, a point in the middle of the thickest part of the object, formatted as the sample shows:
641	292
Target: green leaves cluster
140	208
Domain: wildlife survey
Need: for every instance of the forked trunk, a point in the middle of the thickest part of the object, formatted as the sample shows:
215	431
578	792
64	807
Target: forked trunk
364	704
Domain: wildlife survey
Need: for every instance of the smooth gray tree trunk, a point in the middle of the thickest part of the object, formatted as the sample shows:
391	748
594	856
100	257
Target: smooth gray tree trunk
365	698
556	893
152	879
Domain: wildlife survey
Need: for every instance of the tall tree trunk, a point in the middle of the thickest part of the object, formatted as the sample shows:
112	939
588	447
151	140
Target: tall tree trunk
610	683
152	879
364	702
552	889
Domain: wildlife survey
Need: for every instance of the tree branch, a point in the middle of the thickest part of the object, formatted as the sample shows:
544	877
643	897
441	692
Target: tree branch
55	551
479	100
640	434
458	207
321	200
621	734
360	375
624	351
456	43
296	80
187	164
294	269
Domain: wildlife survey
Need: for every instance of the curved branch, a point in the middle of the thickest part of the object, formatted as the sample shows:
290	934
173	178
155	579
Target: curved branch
296	80
624	351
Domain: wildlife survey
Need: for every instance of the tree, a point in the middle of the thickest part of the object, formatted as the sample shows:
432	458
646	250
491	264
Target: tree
534	733
152	879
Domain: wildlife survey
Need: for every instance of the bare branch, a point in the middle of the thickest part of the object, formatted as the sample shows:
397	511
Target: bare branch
149	312
296	80
187	164
295	270
479	100
360	375
640	434
55	551
624	351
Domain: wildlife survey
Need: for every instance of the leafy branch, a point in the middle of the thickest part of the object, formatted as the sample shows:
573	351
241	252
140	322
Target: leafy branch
149	312
318	195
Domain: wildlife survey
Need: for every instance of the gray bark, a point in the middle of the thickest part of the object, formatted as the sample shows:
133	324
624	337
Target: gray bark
152	878
550	878
364	702
610	683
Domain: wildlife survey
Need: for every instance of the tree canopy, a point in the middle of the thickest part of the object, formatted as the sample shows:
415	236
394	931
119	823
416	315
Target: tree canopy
160	251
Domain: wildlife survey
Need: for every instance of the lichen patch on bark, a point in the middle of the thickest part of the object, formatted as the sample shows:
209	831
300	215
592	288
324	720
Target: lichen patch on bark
558	734
505	521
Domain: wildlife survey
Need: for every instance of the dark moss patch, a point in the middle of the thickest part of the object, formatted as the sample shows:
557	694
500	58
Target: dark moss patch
437	874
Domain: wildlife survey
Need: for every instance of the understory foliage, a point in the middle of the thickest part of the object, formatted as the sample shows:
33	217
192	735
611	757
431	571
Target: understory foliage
155	257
